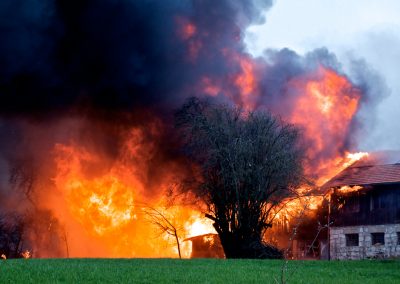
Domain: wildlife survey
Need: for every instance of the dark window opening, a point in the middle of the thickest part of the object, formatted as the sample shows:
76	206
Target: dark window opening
379	201
351	240
378	238
398	238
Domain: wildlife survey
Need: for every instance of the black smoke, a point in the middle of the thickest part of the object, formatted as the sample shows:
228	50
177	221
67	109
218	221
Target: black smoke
112	55
88	71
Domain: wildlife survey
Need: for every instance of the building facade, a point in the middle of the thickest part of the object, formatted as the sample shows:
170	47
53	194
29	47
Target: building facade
365	212
361	242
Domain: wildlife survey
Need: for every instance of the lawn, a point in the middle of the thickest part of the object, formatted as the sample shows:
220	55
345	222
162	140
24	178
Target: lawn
195	271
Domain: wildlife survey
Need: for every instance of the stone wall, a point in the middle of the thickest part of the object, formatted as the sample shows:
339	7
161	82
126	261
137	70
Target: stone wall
365	248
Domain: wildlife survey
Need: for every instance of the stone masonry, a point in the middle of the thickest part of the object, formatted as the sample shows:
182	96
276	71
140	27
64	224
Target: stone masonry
365	249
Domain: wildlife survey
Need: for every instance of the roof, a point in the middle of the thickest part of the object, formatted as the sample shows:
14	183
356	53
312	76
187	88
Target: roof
377	168
200	237
365	175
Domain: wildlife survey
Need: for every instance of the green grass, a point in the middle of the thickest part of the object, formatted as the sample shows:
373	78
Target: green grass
195	271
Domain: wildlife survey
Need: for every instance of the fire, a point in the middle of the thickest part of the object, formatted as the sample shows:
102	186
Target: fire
246	80
325	106
355	157
105	206
101	200
103	203
348	189
306	202
200	226
3	256
26	254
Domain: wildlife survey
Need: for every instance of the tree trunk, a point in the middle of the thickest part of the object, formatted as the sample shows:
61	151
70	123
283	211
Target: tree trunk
247	247
178	244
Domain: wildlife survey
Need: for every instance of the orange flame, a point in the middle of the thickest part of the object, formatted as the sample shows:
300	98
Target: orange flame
104	208
348	189
200	226
325	109
101	202
246	80
26	254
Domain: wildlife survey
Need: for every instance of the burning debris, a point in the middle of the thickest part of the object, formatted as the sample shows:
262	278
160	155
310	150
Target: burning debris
86	115
26	254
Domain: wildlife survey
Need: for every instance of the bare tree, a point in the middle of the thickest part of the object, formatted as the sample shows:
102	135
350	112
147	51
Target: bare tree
11	235
248	162
306	228
36	226
64	237
164	223
23	178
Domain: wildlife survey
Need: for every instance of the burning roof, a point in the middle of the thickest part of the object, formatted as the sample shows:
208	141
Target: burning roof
378	168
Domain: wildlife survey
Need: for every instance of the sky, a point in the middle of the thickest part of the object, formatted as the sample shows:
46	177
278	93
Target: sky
364	29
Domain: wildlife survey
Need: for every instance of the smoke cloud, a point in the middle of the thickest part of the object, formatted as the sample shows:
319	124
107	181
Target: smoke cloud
96	73
113	55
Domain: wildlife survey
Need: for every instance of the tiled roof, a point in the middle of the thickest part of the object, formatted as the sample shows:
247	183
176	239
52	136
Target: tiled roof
364	175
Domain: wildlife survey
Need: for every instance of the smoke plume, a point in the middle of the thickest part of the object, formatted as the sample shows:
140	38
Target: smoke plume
93	83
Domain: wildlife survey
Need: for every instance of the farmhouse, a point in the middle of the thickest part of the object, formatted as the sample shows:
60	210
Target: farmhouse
365	209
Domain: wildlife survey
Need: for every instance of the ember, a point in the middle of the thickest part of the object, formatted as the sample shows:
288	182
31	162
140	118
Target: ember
26	254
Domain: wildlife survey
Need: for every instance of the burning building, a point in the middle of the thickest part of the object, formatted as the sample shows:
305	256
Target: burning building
88	93
365	209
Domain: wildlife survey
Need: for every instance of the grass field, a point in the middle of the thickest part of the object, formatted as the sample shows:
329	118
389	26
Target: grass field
195	271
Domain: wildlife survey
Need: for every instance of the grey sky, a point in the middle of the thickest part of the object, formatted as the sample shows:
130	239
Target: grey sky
354	28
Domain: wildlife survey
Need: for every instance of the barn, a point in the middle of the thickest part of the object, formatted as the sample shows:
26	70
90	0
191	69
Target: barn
365	209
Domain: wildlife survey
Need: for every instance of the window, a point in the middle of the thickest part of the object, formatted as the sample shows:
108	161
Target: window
378	238
398	238
352	205
379	201
351	240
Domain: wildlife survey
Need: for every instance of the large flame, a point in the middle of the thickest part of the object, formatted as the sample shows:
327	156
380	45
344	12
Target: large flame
101	200
109	203
103	204
106	209
325	110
